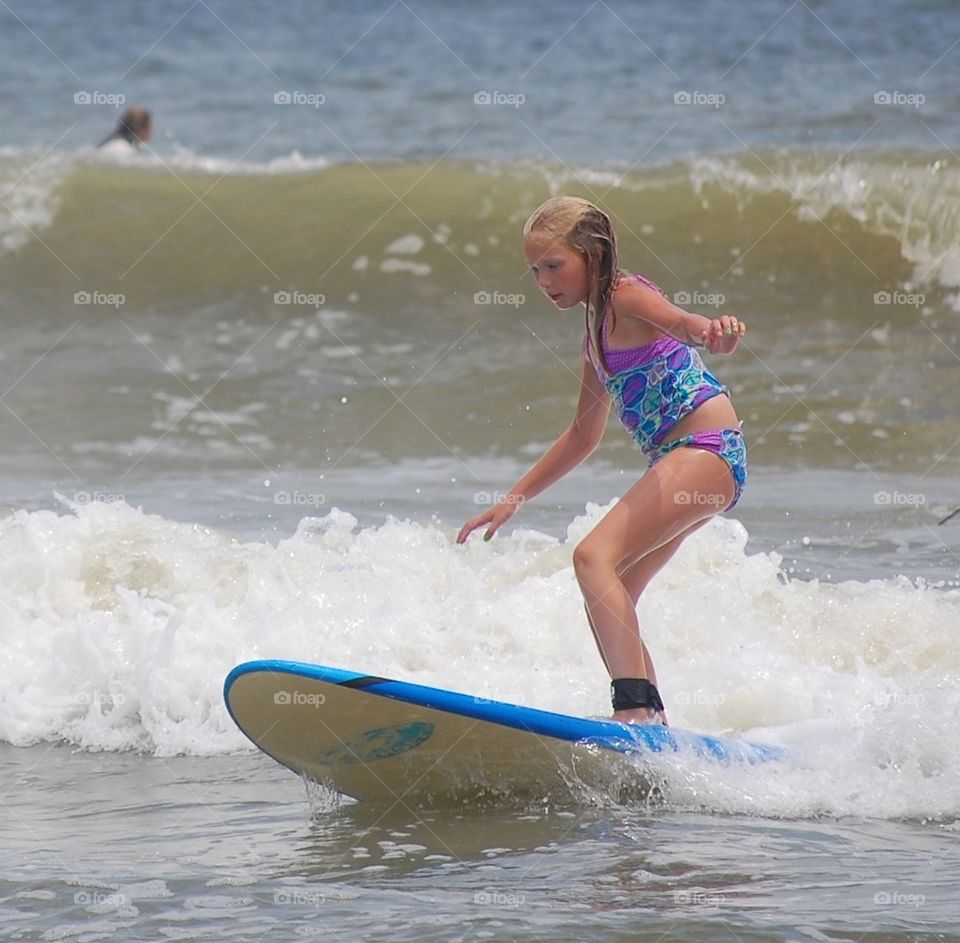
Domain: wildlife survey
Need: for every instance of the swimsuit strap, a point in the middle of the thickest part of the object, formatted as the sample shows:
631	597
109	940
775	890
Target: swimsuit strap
605	329
649	284
653	286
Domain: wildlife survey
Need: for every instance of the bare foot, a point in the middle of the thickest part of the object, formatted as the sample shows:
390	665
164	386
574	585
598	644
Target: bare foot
639	715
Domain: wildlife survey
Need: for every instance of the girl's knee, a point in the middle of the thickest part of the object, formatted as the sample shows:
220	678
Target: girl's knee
588	559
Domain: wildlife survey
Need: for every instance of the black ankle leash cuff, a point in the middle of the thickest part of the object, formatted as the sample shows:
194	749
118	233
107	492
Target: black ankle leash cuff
629	693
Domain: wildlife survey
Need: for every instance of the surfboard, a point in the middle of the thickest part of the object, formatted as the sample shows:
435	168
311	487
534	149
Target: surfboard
371	738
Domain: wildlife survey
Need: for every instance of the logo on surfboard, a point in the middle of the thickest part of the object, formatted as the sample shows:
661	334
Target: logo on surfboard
379	744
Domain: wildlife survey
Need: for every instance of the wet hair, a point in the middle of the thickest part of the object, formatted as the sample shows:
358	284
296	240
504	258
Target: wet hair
132	125
586	229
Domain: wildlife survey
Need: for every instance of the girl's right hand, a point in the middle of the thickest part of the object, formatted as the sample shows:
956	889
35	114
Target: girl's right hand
496	517
722	334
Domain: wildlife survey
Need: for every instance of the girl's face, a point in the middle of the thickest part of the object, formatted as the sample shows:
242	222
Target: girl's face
561	272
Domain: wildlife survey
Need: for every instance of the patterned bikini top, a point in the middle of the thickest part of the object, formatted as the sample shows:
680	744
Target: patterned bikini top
655	385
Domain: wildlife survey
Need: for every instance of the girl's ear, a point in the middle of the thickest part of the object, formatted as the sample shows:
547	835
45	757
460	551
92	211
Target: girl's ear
589	255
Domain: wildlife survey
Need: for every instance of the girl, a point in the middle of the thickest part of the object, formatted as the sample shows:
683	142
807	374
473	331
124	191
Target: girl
638	353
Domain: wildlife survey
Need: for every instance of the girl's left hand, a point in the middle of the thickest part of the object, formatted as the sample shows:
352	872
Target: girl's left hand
723	334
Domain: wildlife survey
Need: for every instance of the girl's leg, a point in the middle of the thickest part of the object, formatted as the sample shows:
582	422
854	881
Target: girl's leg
685	488
635	578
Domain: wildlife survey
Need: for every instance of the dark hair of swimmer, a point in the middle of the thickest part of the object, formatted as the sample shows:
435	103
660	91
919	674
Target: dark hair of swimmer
133	127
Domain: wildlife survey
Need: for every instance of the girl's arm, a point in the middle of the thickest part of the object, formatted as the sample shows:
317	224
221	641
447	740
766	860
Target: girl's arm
718	335
572	446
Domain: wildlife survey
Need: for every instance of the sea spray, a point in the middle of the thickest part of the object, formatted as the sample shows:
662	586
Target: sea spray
119	626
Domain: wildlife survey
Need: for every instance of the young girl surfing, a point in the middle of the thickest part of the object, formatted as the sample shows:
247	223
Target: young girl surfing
638	353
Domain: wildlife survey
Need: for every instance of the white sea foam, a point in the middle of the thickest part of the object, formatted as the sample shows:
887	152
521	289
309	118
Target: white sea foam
30	183
31	179
410	244
118	628
187	161
915	202
391	266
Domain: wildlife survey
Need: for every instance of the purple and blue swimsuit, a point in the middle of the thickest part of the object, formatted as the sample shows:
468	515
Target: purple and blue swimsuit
657	385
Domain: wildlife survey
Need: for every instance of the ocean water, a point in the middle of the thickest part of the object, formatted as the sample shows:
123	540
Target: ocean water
254	378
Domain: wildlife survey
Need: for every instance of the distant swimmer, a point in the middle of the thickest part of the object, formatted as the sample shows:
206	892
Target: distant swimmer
131	132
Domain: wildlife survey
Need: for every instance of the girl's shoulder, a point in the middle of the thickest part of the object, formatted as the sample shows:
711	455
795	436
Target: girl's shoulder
625	279
632	319
631	295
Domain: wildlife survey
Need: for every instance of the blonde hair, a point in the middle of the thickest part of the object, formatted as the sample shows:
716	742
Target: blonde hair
586	229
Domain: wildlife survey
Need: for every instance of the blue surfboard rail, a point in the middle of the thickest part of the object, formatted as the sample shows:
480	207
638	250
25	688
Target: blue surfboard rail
608	734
